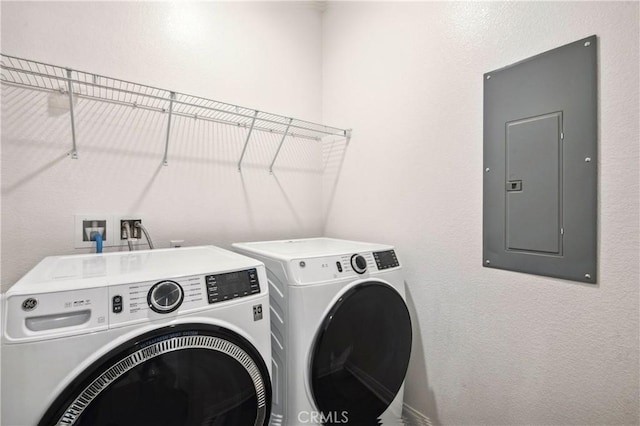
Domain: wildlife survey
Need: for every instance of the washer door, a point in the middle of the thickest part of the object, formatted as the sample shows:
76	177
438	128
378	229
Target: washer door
361	353
190	374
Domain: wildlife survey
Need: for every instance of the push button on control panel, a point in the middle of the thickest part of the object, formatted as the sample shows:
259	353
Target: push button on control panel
253	280
117	304
212	288
339	266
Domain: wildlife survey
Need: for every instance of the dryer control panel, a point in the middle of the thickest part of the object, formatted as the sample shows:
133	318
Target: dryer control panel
353	265
385	259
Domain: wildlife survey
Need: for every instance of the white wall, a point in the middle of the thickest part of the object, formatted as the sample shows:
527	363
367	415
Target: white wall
492	347
260	55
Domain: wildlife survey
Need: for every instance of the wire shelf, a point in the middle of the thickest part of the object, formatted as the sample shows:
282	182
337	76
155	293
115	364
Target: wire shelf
79	84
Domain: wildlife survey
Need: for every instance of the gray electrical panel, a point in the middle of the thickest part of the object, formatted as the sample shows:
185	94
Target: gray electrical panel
540	164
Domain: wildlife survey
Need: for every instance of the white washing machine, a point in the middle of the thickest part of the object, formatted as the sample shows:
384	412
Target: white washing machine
341	330
162	337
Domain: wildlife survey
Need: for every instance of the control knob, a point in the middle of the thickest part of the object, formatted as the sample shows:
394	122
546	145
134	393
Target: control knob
358	263
165	296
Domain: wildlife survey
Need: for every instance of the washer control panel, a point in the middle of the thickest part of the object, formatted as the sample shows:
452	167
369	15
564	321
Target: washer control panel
227	286
169	297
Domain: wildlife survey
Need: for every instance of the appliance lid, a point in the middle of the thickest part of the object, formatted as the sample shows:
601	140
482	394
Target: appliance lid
308	247
60	273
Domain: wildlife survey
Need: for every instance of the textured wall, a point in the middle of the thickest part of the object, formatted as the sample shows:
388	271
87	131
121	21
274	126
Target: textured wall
260	55
492	347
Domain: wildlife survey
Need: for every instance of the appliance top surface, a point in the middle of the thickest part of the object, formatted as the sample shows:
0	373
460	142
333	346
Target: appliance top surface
308	247
62	273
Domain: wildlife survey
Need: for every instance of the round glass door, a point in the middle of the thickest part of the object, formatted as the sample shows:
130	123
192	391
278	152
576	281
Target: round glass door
361	353
183	375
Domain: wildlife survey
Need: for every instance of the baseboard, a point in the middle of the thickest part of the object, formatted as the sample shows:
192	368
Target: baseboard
415	417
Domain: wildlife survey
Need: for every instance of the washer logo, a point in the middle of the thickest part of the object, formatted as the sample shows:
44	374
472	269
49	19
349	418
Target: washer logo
29	304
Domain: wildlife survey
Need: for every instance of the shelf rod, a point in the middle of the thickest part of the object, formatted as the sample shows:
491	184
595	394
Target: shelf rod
166	144
280	146
314	127
162	98
247	141
41	76
74	150
175	113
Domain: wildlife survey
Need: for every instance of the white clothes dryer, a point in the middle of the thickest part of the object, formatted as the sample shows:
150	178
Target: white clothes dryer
341	330
161	337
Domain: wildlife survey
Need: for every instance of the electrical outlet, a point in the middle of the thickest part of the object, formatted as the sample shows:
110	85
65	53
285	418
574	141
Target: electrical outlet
176	243
86	225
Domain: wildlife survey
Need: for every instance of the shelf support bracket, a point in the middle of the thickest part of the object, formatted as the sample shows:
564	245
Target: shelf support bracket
74	149
166	143
246	142
284	135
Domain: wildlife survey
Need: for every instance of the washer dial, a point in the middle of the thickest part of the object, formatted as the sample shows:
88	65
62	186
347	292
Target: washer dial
165	296
358	263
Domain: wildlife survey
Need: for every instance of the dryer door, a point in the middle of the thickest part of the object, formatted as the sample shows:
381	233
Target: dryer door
190	374
361	353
